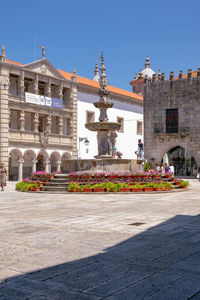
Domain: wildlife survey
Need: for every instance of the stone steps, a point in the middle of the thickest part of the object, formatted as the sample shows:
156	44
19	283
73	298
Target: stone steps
54	188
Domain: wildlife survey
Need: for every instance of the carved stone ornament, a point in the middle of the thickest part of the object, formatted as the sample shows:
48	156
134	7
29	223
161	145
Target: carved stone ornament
43	69
44	138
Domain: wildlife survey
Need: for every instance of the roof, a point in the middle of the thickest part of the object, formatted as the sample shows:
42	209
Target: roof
194	74
92	83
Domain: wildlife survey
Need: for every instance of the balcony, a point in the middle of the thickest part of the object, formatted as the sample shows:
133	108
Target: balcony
29	137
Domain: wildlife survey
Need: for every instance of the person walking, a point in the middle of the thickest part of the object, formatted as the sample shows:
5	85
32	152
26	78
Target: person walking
157	168
167	168
3	174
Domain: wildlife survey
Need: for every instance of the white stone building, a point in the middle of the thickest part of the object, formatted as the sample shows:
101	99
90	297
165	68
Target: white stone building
43	112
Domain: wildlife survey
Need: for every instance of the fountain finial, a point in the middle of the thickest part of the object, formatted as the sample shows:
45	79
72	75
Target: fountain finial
103	91
96	71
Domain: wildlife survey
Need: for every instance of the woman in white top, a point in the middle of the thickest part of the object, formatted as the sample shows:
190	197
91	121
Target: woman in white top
171	168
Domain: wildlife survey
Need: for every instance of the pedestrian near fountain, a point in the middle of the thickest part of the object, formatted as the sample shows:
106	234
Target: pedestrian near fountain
171	167
3	174
167	168
140	149
162	169
157	168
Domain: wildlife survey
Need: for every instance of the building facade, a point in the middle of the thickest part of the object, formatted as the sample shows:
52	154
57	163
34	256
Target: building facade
43	112
171	121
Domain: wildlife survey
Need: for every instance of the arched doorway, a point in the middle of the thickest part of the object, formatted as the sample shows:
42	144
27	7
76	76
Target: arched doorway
29	157
66	166
184	164
54	160
14	158
40	162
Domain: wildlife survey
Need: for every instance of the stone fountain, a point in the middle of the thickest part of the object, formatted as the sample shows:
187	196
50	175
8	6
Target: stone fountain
106	131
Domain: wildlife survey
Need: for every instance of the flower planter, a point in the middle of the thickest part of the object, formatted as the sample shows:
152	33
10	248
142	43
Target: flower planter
148	189
112	177
168	188
73	177
158	189
87	190
99	177
40	184
98	190
37	189
124	190
135	190
183	186
86	177
177	183
74	191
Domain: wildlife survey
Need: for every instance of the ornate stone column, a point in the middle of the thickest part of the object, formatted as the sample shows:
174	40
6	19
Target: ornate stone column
34	161
58	165
49	88
22	120
20	169
36	91
22	88
48	124
61	91
36	122
46	165
60	125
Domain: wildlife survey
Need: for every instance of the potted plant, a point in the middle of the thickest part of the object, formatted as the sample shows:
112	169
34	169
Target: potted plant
168	174
73	187
184	184
124	187
158	187
86	177
168	186
112	187
35	187
148	187
99	187
137	188
86	188
99	176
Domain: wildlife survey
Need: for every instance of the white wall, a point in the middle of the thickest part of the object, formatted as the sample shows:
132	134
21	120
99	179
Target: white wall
126	142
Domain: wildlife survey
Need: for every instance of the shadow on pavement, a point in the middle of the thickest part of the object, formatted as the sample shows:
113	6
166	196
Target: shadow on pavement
162	262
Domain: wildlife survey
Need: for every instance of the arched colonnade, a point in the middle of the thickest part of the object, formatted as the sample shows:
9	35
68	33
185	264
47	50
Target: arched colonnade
22	162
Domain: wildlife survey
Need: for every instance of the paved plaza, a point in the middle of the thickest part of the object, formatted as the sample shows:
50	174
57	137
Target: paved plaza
76	246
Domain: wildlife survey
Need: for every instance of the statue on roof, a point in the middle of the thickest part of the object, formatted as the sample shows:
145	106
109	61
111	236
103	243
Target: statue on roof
43	50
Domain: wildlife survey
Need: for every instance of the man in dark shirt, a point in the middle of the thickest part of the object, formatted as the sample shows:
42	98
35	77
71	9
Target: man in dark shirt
140	149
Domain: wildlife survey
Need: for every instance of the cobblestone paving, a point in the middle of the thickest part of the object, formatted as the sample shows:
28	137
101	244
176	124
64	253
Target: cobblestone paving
84	246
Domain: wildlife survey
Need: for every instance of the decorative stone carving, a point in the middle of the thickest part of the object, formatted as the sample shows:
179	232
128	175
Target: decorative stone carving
36	122
60	125
61	91
48	128
22	120
36	85
22	84
49	88
43	69
44	138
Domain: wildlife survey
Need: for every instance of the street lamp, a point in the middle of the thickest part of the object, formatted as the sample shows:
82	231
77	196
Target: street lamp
86	143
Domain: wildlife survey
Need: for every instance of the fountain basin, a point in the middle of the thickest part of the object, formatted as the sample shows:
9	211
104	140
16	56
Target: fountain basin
102	104
102	126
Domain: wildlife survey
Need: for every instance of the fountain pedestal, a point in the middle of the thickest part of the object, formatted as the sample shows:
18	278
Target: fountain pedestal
104	129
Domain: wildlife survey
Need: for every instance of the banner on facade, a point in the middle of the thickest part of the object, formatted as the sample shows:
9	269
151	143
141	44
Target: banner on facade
43	100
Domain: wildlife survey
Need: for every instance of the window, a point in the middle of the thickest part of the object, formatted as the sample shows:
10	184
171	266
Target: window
172	121
121	121
90	116
139	127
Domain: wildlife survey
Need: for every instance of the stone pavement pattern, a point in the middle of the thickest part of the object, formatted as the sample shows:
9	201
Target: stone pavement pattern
83	246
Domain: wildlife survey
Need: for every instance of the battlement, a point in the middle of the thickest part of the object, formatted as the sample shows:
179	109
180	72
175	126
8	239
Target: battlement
161	76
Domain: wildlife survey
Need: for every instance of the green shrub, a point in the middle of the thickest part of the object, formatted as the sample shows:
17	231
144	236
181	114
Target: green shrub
24	186
185	183
147	166
73	186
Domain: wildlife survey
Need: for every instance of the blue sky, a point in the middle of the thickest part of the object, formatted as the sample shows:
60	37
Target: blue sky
74	32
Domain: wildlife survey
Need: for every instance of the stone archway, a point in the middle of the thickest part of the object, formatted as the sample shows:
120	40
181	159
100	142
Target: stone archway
29	163
55	160
184	163
42	162
66	166
15	165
